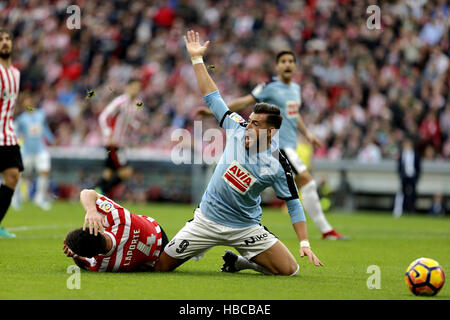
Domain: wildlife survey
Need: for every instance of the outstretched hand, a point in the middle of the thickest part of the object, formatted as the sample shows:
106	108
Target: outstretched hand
305	251
193	46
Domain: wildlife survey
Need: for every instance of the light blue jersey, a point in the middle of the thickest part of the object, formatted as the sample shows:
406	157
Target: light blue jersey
232	197
288	99
33	127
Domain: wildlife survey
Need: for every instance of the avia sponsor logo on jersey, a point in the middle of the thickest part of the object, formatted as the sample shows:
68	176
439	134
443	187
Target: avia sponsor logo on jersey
238	178
292	109
35	129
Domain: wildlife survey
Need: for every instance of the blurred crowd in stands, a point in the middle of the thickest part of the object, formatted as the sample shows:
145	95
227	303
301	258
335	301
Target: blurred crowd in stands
363	90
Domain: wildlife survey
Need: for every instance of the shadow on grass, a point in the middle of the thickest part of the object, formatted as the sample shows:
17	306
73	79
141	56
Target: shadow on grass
181	273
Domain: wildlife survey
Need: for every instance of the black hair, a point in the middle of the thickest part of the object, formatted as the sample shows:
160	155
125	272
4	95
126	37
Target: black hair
274	117
85	244
282	53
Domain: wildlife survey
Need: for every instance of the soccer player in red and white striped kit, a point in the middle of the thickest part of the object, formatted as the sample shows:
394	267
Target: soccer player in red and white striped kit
115	121
10	158
113	239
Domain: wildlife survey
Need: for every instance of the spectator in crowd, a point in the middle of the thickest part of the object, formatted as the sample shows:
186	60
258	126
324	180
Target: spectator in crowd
350	75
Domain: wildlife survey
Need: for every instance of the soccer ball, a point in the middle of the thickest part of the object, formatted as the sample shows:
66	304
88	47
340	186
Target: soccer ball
424	277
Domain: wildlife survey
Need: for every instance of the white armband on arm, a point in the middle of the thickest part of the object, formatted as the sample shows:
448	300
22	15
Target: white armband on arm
197	60
305	244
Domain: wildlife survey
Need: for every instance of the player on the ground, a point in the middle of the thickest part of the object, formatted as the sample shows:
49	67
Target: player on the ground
286	94
230	212
115	122
32	127
10	157
112	239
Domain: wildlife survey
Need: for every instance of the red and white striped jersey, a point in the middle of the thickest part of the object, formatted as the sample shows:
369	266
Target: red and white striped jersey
9	90
137	240
116	119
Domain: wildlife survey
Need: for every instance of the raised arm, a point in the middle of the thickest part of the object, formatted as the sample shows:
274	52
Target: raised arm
196	52
206	84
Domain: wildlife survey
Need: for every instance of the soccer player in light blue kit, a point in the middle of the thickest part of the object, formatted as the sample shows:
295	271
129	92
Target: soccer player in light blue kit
32	127
230	213
286	95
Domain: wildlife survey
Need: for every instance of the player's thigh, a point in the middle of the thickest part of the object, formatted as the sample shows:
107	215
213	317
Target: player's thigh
195	238
303	178
278	259
29	163
11	164
166	263
11	177
251	241
43	163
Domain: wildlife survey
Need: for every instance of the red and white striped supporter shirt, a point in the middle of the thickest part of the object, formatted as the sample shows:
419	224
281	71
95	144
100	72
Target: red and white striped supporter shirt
136	240
115	120
9	90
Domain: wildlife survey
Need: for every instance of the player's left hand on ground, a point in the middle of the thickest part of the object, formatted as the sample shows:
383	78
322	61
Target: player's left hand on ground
193	46
95	222
306	251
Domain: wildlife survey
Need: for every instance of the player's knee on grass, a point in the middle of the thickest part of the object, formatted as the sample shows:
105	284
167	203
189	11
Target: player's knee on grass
279	261
289	269
297	269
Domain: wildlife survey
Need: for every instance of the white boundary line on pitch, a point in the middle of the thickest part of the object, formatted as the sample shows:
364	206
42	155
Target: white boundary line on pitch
43	227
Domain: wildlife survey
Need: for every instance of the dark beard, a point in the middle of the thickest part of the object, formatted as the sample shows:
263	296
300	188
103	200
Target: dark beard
5	56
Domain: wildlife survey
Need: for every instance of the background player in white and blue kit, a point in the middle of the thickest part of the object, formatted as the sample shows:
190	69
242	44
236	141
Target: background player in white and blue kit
286	94
230	213
32	129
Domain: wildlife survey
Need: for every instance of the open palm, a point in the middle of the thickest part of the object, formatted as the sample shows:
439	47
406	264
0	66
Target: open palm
193	46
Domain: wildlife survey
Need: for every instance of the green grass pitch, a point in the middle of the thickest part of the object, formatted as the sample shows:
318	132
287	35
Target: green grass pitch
33	266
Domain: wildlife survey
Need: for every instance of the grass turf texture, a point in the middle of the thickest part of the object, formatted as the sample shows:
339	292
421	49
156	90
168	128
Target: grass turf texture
33	266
